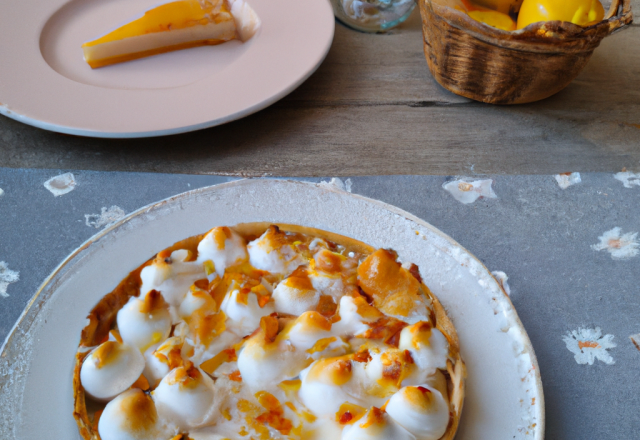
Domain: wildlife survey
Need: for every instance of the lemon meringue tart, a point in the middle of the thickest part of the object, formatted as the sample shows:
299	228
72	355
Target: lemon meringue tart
173	26
269	332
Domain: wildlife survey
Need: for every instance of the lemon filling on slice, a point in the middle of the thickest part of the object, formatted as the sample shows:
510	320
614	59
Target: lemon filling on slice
173	26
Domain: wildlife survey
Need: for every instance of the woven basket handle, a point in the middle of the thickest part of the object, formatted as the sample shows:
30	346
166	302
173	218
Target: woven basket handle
625	15
617	22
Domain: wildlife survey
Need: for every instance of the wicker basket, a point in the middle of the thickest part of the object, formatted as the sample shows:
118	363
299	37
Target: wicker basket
486	64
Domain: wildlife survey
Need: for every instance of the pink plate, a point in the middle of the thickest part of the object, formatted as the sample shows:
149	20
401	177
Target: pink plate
45	82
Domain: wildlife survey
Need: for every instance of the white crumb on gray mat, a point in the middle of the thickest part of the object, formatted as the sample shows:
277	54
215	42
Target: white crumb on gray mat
620	246
337	183
1	192
467	191
502	279
347	185
628	178
105	218
588	344
61	185
7	277
567	179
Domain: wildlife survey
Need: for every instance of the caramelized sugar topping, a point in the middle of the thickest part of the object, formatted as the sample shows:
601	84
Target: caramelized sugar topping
336	371
321	345
362	355
241	277
420	397
106	353
291	385
141	410
315	320
274	416
269	328
391	286
220	236
386	329
329	262
173	359
365	310
421	334
277	238
187	376
327	306
263	294
396	366
299	279
207	327
153	301
228	355
349	413
374	418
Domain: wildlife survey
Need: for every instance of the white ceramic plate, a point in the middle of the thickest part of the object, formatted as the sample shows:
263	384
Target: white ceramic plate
504	394
45	82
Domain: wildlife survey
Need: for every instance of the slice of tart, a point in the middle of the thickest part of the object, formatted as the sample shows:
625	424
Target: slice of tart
173	26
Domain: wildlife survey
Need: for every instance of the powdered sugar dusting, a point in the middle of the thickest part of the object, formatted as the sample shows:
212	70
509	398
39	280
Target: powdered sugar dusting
106	217
61	185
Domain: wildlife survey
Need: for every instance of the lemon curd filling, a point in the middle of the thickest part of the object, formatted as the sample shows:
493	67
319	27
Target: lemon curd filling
171	26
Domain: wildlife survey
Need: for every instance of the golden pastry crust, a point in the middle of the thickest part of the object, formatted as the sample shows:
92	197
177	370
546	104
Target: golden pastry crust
102	320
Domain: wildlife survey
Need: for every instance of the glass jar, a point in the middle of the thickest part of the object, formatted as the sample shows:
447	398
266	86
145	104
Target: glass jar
372	15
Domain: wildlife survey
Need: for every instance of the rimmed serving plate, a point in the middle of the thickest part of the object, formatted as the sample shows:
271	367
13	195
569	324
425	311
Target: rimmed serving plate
45	82
504	398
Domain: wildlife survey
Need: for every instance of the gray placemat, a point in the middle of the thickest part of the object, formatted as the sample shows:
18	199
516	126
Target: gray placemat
543	237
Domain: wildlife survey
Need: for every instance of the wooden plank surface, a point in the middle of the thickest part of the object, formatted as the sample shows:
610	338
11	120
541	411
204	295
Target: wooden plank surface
373	108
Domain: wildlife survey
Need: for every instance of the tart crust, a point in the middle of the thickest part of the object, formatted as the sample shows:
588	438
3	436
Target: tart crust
102	320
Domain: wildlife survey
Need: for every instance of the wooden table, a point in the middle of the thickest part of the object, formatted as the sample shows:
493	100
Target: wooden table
373	109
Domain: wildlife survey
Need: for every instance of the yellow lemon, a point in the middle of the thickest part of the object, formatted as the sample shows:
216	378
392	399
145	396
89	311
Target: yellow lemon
580	12
504	6
495	19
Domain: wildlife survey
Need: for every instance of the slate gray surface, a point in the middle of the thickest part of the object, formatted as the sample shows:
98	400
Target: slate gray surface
537	233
